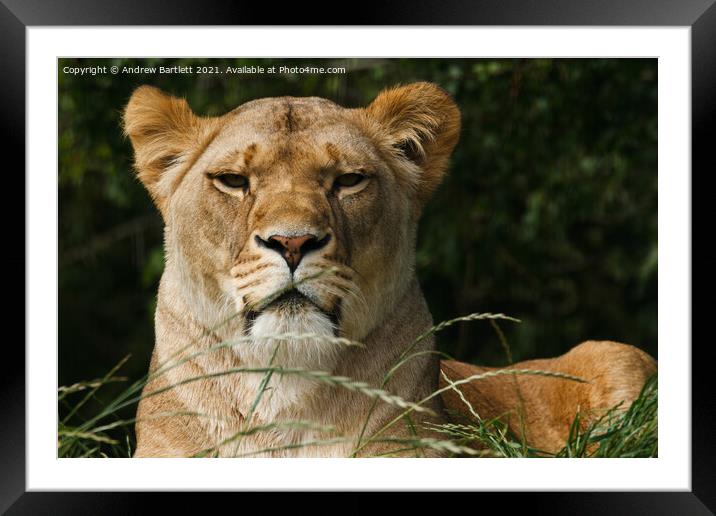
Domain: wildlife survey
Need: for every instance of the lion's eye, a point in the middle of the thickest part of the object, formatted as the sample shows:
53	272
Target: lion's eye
348	180
233	180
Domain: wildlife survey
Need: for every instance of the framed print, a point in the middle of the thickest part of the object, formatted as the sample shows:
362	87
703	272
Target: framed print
351	265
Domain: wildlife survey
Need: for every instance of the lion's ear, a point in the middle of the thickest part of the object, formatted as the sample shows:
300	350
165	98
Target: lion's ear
163	131
422	122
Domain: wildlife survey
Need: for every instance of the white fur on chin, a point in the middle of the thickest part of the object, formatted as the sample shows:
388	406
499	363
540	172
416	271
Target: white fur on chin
311	354
294	353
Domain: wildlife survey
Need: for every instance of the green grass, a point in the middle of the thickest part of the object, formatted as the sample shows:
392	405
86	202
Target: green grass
92	428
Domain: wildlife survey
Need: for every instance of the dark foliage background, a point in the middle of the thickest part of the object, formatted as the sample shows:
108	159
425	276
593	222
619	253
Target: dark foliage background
549	213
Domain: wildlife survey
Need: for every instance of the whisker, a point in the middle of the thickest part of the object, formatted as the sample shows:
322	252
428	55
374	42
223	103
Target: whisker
341	270
350	289
253	283
256	268
346	271
247	259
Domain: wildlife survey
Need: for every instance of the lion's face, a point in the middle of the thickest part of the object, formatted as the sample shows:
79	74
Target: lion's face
295	213
292	218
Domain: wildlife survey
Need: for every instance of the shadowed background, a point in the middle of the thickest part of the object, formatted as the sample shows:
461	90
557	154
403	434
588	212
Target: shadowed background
548	214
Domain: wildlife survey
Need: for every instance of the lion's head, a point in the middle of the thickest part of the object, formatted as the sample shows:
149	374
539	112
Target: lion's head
296	213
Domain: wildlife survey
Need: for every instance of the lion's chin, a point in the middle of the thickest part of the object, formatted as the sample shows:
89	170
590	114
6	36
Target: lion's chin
292	307
302	333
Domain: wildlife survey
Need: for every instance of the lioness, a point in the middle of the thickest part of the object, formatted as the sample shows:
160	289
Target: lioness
297	217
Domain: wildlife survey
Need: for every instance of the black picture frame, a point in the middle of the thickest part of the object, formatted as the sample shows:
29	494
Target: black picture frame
700	15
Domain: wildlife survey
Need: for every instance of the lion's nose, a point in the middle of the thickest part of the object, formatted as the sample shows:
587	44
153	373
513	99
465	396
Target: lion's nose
294	248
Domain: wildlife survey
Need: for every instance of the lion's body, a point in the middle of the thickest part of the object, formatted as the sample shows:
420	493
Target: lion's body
546	407
293	217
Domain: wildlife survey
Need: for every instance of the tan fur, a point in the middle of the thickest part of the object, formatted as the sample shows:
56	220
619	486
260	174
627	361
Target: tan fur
546	407
360	281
